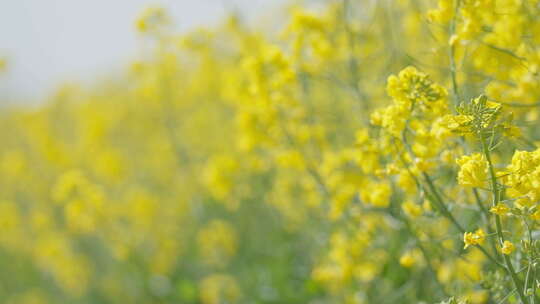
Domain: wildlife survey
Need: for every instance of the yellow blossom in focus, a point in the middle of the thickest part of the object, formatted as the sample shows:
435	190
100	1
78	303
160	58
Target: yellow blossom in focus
457	123
501	209
472	170
523	178
412	87
474	238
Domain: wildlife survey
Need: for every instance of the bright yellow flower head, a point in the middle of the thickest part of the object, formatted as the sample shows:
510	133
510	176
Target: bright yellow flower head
474	238
501	209
473	170
457	123
412	87
508	248
524	177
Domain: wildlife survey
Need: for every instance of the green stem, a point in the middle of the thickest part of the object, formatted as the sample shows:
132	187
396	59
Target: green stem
533	296
487	220
452	219
498	224
530	267
437	200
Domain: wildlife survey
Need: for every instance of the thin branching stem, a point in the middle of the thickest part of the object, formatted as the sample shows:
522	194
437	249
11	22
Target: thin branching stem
498	225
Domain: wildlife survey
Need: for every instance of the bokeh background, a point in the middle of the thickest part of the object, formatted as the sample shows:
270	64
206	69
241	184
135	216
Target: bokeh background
44	41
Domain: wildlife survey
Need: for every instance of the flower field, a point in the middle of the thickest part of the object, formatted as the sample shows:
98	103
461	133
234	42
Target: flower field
357	152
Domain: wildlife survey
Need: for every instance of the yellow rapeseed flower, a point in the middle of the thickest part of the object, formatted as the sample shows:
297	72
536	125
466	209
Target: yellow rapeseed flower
473	170
501	209
508	248
474	238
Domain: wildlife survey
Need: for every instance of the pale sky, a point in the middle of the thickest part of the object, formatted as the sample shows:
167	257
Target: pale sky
48	42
